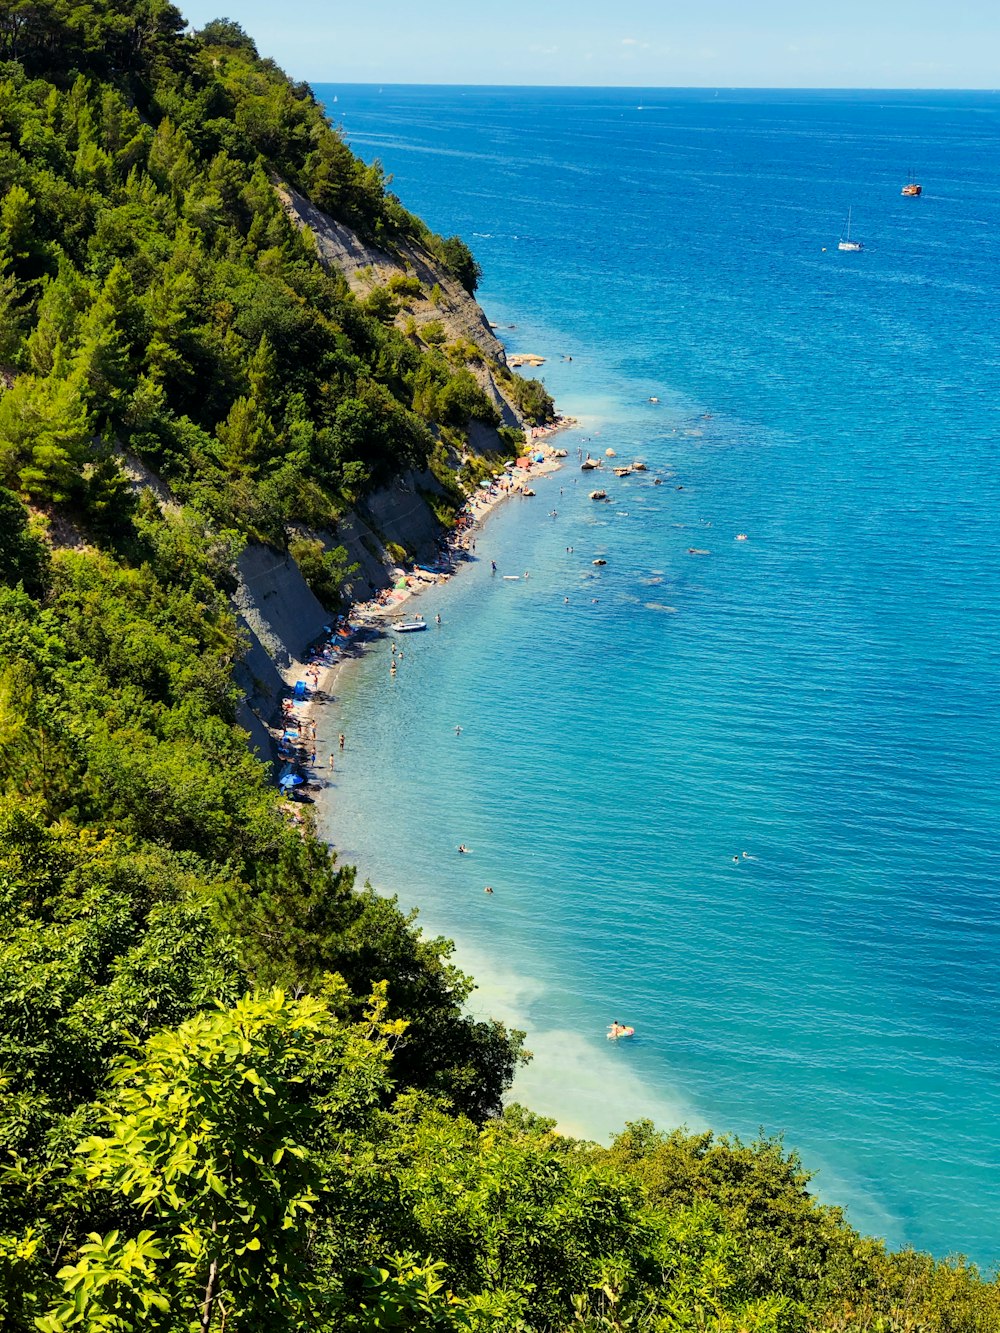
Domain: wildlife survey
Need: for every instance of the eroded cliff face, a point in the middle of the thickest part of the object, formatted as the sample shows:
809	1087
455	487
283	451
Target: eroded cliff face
277	611
365	267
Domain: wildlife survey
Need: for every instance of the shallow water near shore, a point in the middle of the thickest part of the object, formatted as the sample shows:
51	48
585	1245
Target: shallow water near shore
821	696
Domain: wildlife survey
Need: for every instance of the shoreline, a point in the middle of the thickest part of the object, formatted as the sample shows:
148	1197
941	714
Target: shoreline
298	750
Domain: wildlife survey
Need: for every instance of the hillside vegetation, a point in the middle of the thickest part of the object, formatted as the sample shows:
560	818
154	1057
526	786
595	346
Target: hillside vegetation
238	1092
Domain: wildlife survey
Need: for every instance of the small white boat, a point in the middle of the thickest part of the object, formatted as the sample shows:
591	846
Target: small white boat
845	242
409	626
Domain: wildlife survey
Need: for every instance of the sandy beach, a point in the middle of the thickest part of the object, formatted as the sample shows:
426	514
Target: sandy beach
306	736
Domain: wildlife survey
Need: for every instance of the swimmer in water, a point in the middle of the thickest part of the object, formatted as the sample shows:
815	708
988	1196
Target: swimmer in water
458	731
462	847
736	860
488	888
748	857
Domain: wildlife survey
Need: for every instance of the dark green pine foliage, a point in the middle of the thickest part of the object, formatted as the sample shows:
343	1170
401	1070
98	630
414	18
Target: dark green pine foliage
154	292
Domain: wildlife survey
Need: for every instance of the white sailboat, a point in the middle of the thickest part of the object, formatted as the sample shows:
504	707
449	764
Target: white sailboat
845	241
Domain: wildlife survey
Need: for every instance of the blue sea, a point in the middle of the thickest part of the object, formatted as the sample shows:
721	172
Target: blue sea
818	701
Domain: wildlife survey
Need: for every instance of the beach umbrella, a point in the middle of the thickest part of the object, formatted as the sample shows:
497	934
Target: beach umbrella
290	780
486	484
539	458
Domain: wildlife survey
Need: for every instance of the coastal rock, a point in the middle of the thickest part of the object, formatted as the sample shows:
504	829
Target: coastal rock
598	495
276	604
366	266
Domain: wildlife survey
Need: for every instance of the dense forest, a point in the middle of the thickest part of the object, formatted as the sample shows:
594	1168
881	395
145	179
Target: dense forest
237	1089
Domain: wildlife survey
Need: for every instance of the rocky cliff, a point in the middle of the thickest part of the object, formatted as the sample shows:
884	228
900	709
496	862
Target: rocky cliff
366	267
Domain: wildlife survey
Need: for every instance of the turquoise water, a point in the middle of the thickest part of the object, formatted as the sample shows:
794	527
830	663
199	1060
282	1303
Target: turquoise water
822	695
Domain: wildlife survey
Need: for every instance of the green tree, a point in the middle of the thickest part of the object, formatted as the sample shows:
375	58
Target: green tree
460	260
326	571
44	437
23	555
212	1137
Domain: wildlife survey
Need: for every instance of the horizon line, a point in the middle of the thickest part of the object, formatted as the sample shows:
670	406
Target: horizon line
656	87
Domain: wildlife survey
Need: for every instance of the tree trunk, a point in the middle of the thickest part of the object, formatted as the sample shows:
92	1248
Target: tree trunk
209	1298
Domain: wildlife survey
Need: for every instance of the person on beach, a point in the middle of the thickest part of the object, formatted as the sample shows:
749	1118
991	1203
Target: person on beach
312	757
331	763
437	619
493	566
342	740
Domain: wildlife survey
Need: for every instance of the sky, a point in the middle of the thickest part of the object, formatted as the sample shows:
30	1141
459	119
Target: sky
639	43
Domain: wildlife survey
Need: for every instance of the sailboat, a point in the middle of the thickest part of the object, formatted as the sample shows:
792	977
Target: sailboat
845	241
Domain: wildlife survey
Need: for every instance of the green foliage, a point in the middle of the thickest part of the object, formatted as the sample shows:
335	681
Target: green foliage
24	557
154	293
461	352
326	571
459	259
531	398
225	32
512	439
210	1135
404	284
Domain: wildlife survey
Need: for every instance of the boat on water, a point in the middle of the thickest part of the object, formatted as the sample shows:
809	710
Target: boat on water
911	189
409	626
845	242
